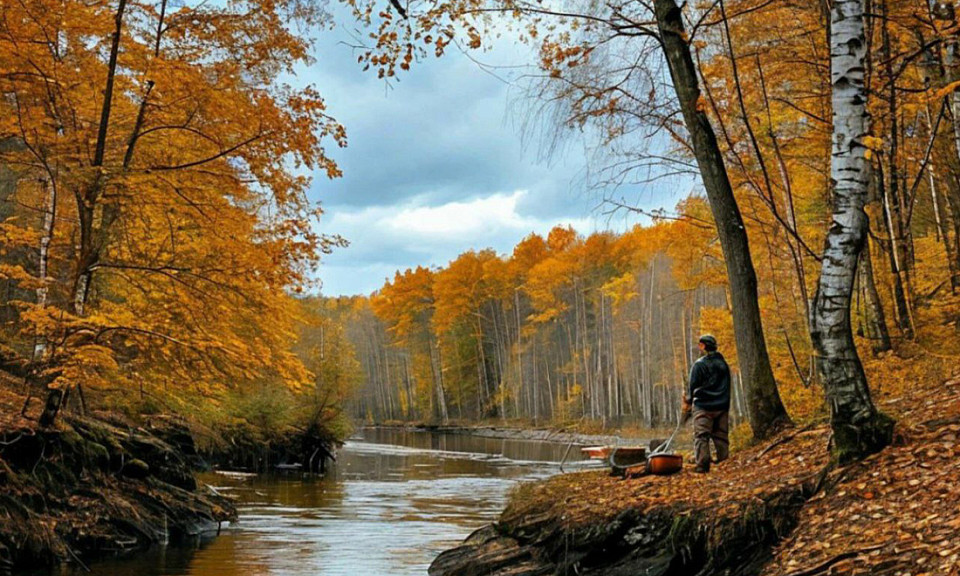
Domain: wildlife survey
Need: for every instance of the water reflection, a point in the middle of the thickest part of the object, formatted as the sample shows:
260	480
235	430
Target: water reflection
392	502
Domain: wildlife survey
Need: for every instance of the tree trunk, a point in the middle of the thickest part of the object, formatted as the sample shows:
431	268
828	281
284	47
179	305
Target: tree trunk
49	219
438	381
519	387
90	246
859	428
876	318
766	408
940	213
892	195
51	408
940	64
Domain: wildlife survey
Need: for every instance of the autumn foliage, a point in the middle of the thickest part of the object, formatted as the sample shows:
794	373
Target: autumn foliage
765	86
154	220
565	328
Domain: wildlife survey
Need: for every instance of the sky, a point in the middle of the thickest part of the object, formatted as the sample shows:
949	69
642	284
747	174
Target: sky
437	164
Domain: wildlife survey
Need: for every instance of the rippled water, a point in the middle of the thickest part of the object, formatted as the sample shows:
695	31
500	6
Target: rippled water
392	502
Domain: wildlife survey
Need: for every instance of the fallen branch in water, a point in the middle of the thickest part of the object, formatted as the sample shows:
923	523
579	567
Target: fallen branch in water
77	559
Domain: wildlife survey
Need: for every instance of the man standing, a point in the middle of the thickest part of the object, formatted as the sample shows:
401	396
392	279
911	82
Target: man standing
709	398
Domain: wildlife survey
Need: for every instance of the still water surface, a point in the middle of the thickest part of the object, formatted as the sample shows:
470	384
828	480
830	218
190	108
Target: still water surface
392	502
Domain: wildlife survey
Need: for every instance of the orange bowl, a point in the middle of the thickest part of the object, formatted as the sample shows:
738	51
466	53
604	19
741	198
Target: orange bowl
664	464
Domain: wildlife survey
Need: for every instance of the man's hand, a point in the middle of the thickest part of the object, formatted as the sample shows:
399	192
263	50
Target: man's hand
687	406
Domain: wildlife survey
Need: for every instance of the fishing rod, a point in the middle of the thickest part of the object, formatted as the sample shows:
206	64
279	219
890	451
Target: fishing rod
662	449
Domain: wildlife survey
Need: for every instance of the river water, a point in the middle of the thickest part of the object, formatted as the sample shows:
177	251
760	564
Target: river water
391	503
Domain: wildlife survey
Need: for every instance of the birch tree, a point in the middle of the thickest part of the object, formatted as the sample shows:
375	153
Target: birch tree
859	428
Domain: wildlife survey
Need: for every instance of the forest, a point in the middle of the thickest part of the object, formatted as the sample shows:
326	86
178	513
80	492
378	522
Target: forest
602	328
146	256
155	213
161	252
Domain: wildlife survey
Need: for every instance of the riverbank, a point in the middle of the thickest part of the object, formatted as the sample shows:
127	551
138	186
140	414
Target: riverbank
777	509
97	486
559	436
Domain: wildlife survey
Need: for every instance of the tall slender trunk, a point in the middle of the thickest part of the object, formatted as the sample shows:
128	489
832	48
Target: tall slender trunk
481	374
54	397
535	385
438	380
516	308
550	391
892	195
876	317
498	354
859	428
49	218
902	311
941	234
940	211
943	16
91	234
378	381
646	391
388	387
766	408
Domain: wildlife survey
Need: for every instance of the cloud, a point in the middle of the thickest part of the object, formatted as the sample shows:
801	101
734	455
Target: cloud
488	215
414	232
447	129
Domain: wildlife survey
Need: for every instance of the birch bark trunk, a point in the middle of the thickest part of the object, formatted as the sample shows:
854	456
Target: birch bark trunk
438	381
49	217
859	428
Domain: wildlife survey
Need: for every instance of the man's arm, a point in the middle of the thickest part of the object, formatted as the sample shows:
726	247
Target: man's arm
691	386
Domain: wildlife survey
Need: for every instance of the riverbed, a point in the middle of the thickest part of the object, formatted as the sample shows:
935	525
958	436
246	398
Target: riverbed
393	501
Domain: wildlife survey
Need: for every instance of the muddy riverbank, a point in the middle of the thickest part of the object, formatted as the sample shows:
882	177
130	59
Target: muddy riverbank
530	434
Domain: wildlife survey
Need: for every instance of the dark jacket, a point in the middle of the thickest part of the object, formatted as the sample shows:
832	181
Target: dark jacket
710	383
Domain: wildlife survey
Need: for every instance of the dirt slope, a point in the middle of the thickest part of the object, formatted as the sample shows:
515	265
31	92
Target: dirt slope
779	509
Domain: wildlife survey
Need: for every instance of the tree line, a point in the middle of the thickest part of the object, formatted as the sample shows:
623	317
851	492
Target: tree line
565	328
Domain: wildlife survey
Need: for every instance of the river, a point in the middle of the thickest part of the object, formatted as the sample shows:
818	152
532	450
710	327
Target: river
392	502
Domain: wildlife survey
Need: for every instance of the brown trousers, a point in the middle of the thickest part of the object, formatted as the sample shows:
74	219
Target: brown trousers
709	425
